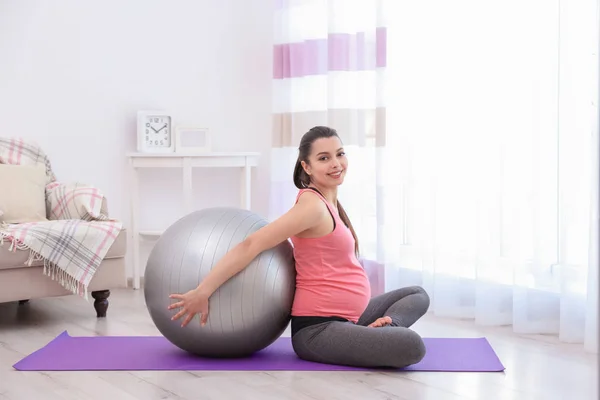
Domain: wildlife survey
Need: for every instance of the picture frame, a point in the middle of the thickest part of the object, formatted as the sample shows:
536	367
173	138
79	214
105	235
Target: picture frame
189	139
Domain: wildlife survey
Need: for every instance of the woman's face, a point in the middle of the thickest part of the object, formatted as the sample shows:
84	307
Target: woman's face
327	162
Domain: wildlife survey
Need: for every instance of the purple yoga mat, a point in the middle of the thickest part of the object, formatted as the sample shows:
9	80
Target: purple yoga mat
131	353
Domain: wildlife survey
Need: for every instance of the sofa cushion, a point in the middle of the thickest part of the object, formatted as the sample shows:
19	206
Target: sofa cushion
17	259
23	193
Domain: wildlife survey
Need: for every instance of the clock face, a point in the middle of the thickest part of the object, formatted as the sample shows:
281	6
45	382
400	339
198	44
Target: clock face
157	131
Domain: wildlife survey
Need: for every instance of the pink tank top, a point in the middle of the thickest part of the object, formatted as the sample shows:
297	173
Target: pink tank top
329	278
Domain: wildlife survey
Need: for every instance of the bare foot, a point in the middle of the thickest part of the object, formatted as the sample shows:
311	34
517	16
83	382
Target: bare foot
381	322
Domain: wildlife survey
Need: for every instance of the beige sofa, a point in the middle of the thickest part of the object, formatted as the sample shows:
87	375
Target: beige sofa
43	219
21	282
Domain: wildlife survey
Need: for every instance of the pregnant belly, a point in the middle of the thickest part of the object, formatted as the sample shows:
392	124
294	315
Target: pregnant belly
347	300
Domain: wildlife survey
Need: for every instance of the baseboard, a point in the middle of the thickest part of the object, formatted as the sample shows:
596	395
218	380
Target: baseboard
130	282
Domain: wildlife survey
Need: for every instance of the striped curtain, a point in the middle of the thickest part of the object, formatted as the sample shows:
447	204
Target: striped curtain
329	62
329	59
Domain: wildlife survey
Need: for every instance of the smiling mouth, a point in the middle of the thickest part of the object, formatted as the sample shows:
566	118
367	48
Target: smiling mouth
336	174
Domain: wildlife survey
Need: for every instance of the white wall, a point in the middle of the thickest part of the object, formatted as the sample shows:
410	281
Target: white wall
75	73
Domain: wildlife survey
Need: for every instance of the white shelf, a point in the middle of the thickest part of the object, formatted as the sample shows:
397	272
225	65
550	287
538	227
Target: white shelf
186	161
208	154
177	160
150	234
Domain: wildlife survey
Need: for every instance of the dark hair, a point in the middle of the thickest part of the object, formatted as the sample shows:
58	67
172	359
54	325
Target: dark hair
302	179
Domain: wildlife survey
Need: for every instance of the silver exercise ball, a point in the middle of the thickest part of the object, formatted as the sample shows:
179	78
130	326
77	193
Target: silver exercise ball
248	312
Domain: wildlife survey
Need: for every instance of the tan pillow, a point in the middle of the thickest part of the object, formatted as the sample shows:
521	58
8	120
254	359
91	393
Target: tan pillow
22	193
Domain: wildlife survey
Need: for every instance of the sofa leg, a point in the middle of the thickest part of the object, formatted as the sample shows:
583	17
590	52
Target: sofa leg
101	302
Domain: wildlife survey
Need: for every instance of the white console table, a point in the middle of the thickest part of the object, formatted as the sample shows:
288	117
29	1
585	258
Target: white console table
186	162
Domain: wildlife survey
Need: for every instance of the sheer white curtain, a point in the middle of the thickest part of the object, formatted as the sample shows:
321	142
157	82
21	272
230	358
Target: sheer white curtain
492	125
484	185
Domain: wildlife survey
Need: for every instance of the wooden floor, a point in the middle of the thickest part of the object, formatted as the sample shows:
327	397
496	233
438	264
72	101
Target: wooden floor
536	367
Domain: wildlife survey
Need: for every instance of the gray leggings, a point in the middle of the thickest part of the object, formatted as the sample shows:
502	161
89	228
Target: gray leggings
346	343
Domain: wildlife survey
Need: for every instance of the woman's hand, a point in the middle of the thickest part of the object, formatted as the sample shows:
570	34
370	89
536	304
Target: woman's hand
191	303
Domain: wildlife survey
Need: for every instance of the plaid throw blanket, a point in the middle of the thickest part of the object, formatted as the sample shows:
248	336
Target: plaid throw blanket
78	233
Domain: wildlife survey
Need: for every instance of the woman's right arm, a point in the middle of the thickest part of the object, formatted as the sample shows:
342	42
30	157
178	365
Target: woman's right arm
305	214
